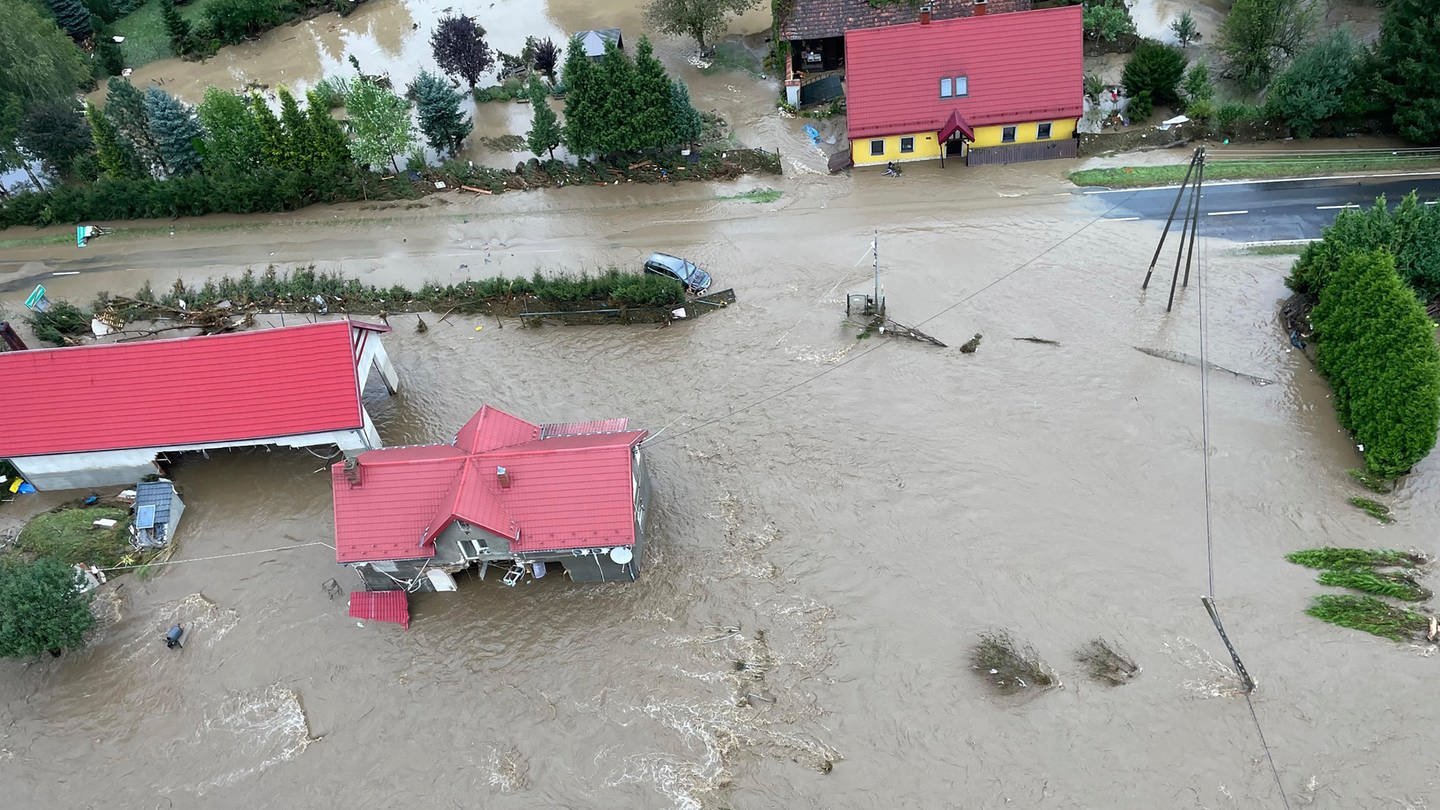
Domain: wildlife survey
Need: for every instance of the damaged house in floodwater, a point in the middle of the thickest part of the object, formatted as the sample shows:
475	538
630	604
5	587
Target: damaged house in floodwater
521	498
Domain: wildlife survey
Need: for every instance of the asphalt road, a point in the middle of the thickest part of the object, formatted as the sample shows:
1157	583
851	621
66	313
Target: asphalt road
1266	211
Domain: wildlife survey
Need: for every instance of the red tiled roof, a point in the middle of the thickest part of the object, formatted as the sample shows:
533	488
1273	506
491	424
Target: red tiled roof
381	606
1020	67
818	19
565	492
168	393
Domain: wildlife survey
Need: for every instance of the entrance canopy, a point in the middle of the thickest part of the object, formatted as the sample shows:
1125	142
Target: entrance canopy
956	123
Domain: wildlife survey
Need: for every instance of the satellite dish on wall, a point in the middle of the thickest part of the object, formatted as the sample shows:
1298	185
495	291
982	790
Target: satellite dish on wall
621	555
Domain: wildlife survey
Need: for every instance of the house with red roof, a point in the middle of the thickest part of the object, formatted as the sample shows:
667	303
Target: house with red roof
813	31
506	495
998	88
113	413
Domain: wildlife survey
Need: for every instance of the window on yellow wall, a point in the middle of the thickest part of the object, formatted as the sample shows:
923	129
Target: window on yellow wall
877	148
907	145
1042	131
1007	135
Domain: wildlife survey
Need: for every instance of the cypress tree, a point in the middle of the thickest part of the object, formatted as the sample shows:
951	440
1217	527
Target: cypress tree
544	134
581	132
175	129
653	119
178	27
332	148
274	151
299	144
232	139
125	106
615	101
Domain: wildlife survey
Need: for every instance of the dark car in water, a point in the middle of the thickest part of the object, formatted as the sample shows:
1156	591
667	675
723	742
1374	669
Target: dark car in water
663	264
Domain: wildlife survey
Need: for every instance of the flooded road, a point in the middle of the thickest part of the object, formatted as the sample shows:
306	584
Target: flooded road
860	509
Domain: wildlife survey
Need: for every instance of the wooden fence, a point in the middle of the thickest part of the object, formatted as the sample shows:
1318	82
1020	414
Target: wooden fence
1019	152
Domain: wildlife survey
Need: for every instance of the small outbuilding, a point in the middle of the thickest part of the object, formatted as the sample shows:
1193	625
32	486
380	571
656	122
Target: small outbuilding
593	42
110	413
515	496
157	514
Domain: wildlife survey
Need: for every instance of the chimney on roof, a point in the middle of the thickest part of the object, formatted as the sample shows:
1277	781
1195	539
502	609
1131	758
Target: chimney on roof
352	471
503	476
925	14
979	8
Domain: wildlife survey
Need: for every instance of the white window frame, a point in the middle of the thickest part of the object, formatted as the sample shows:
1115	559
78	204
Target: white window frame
962	86
947	87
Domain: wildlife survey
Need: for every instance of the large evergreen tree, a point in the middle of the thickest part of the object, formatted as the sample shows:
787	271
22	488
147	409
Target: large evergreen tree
438	105
116	157
1409	60
582	130
125	106
299	142
176	26
37	60
274	148
379	124
615	102
652	117
331	147
544	134
40	610
685	119
175	129
458	45
56	133
72	17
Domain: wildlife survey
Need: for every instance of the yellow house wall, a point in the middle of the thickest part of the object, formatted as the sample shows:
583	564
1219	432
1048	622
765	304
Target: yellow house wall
928	148
1024	133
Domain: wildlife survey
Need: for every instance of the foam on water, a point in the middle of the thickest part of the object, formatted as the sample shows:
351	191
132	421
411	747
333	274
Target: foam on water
261	727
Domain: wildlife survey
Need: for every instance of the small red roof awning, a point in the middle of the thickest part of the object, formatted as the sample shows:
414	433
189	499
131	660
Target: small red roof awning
381	606
954	122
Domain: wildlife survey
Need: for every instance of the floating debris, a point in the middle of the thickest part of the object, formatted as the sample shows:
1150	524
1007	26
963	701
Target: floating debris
1107	664
1033	339
1371	615
1009	666
1190	360
1394	584
969	346
1373	508
1331	557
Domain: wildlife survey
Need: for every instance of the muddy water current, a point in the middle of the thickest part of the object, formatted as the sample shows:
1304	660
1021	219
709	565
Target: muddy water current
835	520
858	509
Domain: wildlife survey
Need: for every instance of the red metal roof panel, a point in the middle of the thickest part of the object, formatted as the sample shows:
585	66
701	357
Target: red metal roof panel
169	393
1020	67
583	428
491	427
385	516
381	606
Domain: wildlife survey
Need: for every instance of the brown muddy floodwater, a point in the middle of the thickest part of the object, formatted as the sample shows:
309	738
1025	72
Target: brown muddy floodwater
860	509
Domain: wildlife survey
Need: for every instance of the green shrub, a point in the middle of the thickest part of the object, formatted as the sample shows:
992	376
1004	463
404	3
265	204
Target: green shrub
1201	110
1106	21
1155	69
1197	85
1376	347
1338	558
1410	232
1311	93
232	21
1233	115
62	321
1140	107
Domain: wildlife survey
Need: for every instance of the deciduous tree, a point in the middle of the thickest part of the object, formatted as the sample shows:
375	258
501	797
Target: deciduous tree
40	610
546	58
175	129
438	106
1259	35
379	124
701	20
458	45
37	60
544	134
1184	28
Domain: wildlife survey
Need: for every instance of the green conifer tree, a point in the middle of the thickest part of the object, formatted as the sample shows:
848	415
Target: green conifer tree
438	105
544	134
175	129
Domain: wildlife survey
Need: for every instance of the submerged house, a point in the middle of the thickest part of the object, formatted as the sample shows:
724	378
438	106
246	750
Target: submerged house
997	88
522	497
814	34
113	413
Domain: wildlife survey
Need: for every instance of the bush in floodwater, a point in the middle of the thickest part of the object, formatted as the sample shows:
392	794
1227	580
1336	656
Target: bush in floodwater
1369	614
1106	663
1008	665
1373	508
1337	558
1393	584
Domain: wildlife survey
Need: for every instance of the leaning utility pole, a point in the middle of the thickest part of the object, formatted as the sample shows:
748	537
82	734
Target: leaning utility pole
1189	228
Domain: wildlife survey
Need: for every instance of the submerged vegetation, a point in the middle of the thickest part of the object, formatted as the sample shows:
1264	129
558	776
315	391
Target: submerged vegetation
1373	508
1369	614
1008	665
1106	663
1337	558
1379	583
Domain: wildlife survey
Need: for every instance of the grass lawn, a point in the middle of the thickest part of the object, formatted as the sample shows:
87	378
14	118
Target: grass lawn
70	535
732	56
146	39
1281	166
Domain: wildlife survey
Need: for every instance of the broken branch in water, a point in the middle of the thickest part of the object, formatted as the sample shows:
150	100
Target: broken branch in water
1106	663
1033	339
1008	665
1181	357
